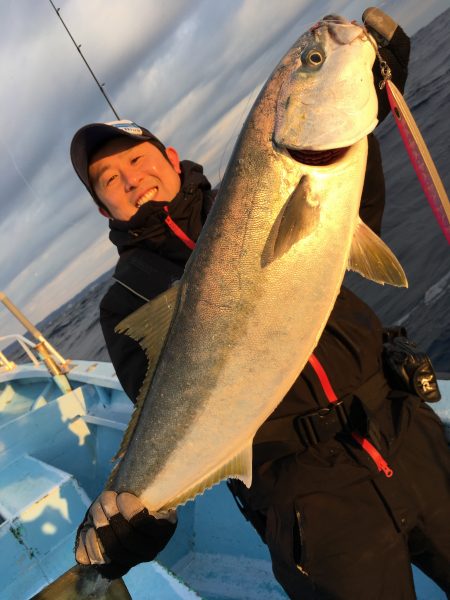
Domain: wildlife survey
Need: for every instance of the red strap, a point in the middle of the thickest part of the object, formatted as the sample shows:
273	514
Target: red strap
331	397
323	378
178	231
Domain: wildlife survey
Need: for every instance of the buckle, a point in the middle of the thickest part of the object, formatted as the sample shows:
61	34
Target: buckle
322	425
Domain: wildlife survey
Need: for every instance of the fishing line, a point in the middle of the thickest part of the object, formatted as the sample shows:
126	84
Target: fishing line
382	3
100	86
19	172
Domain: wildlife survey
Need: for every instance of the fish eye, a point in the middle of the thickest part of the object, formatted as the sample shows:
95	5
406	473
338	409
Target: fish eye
314	58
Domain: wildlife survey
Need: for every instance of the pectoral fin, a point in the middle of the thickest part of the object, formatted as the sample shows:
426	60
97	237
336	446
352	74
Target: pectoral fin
239	467
371	258
298	218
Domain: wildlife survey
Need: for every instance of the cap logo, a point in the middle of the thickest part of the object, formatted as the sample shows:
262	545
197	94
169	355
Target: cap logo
127	126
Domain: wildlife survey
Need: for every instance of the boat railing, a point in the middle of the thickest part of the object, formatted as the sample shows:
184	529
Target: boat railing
42	348
27	346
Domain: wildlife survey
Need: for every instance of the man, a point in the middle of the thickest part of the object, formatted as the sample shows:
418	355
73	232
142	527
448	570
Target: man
342	514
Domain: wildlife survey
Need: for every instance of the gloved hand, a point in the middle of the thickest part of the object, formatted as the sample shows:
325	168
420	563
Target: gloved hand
407	368
118	533
394	46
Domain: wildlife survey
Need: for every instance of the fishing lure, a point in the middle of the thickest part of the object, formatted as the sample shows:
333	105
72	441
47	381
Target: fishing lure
420	158
417	149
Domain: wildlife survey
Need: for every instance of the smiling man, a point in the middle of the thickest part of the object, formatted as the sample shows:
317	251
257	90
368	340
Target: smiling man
339	521
126	175
156	206
125	172
139	185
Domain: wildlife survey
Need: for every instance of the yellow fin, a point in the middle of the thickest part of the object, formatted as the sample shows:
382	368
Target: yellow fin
371	258
149	326
239	467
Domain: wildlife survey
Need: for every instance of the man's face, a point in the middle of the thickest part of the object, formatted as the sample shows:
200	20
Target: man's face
125	175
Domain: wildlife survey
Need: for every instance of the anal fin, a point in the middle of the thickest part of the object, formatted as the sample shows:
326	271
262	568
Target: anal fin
239	467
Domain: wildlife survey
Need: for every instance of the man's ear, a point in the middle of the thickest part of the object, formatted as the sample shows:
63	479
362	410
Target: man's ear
174	159
104	212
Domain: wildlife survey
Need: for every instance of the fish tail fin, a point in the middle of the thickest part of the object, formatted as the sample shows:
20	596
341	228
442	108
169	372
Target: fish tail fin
84	583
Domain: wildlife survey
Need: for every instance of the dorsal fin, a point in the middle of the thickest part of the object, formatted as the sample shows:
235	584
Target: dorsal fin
148	326
371	258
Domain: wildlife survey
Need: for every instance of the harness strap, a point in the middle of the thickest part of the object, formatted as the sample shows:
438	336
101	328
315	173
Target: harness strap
323	378
178	231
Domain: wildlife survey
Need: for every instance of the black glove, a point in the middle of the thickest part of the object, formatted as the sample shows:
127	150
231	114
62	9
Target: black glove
118	533
407	368
394	46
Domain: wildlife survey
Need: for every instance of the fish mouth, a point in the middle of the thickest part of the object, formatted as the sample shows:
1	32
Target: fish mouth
318	158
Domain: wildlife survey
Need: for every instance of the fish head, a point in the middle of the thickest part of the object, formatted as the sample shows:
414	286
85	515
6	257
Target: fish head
327	97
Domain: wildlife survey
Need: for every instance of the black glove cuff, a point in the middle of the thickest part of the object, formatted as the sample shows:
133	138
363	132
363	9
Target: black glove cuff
396	54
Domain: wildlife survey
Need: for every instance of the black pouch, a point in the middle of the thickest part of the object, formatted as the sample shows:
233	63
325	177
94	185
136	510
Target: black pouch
406	367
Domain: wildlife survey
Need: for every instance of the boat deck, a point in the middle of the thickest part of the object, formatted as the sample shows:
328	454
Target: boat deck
55	454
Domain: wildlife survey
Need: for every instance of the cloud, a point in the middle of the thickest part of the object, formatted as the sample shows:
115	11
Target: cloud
36	289
74	277
188	69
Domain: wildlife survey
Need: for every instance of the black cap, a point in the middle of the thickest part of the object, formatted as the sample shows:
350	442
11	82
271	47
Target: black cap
90	138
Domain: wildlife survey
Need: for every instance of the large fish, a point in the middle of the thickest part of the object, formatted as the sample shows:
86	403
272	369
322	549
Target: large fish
227	342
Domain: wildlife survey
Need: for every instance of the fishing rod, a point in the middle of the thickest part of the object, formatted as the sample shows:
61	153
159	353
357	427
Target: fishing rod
78	47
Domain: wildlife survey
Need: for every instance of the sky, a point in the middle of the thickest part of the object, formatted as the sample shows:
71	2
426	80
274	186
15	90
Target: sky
189	70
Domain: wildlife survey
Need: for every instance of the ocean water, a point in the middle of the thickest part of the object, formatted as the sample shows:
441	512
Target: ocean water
409	226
